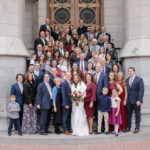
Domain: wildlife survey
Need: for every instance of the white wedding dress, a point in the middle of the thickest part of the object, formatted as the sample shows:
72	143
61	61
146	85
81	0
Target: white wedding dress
78	117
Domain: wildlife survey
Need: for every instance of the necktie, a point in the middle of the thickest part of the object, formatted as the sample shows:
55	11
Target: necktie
97	76
37	73
49	90
103	69
130	82
21	88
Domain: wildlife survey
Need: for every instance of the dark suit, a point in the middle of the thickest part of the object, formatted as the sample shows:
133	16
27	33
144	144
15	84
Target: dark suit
87	35
114	54
44	100
60	53
106	69
38	41
85	66
87	56
81	30
101	83
39	78
66	101
15	90
135	93
44	28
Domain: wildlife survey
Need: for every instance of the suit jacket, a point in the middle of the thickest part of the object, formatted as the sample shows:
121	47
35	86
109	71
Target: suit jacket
85	65
44	28
51	81
38	41
66	91
102	82
15	90
136	91
106	69
82	30
60	52
43	98
87	35
39	78
88	56
114	54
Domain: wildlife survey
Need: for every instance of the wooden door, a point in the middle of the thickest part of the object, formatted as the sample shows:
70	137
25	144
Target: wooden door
66	12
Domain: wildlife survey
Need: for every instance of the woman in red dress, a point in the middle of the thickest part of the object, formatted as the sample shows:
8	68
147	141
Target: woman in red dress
90	99
123	97
113	84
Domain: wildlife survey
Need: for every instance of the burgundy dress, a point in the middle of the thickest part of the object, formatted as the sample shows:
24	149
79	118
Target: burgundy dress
111	86
123	109
90	96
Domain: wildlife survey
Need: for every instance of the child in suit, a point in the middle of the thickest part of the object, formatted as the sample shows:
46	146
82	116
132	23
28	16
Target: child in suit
14	109
104	106
115	114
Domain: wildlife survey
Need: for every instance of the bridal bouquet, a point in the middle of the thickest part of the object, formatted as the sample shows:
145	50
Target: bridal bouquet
76	97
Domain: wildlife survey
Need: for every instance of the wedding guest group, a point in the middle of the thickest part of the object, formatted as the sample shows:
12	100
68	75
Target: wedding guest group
74	75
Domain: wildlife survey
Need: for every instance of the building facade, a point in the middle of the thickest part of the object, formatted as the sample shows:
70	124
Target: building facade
128	22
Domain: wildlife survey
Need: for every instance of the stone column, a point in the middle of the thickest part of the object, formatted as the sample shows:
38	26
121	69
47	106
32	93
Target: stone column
12	51
136	51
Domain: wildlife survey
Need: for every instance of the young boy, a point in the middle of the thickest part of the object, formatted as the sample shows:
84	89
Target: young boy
104	106
14	108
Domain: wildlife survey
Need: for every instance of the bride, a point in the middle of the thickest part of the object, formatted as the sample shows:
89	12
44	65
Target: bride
78	117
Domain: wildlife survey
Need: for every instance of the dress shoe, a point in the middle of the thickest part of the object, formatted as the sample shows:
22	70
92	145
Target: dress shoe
57	131
98	133
106	133
43	133
127	130
9	134
67	133
20	134
116	134
70	131
48	132
136	131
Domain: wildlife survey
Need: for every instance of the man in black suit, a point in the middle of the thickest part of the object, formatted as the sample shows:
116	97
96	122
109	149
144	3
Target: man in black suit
87	53
61	49
47	26
106	41
81	29
109	49
41	40
39	51
89	32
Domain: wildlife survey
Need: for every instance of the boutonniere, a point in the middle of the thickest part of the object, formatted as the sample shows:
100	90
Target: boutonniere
115	100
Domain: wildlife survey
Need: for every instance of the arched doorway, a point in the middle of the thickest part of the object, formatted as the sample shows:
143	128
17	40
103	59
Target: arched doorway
65	12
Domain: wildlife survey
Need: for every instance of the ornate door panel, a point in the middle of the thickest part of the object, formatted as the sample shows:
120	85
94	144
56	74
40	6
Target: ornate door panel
65	12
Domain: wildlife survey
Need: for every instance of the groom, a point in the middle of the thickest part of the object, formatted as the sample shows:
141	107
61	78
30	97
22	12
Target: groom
66	104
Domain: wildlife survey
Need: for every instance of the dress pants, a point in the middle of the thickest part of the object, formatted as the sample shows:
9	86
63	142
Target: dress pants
16	123
136	109
50	111
66	119
43	120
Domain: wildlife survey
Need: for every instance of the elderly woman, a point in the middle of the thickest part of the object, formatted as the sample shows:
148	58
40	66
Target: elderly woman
57	102
95	46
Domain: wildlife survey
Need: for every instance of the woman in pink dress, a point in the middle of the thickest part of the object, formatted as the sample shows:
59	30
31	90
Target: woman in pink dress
123	97
90	99
113	84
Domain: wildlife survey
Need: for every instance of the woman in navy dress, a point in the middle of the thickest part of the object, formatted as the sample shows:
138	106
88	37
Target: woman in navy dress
90	99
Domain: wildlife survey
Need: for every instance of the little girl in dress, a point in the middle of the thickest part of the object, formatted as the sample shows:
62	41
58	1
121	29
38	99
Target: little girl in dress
115	115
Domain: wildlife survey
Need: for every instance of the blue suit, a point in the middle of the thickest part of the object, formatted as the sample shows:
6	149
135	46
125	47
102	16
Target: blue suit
66	100
15	90
85	65
39	78
44	100
102	82
135	93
